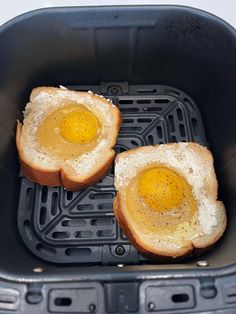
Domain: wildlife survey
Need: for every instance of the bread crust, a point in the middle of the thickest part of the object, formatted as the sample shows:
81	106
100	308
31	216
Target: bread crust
72	185
196	246
60	176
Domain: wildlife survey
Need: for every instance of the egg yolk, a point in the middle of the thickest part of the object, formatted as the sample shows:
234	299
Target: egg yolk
161	189
69	131
79	127
160	198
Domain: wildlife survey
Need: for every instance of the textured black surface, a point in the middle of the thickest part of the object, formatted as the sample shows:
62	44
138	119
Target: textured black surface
79	227
180	46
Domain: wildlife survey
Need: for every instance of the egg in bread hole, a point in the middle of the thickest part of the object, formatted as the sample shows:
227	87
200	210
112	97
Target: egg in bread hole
67	137
166	199
162	197
69	131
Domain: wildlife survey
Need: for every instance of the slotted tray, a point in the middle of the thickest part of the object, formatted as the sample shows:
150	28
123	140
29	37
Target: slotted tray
79	227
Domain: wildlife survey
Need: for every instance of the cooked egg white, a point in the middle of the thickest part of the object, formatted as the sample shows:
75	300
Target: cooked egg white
159	198
69	131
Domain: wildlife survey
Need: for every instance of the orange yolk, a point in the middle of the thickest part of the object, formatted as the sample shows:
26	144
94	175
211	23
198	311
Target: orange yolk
161	189
69	131
79	127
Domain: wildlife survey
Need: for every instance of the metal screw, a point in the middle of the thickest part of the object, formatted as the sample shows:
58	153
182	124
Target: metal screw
202	263
151	306
120	265
120	250
114	90
38	269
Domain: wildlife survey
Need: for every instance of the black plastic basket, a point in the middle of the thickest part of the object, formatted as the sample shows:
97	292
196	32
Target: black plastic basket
170	70
79	227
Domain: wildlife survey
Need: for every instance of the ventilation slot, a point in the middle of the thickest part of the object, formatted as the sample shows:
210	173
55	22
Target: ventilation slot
159	131
134	143
155	109
173	139
171	123
179	114
69	195
105	233
63	301
144	120
161	101
105	206
42	217
146	90
54	203
129	110
84	234
143	101
102	222
99	196
125	101
131	129
60	235
78	252
150	140
74	223
44	194
180	298
127	121
182	130
85	207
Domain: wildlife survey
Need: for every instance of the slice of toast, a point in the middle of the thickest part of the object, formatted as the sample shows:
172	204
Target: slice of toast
195	164
75	173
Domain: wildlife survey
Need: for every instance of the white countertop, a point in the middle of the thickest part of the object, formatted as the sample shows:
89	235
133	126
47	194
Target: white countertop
226	9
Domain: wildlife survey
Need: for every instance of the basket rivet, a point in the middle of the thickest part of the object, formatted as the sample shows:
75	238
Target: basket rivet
114	90
38	269
202	263
120	250
92	307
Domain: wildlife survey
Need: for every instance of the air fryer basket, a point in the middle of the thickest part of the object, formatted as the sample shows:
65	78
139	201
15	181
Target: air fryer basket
172	72
66	227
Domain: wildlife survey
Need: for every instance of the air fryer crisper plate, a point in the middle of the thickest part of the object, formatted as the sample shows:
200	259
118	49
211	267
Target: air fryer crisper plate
79	227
